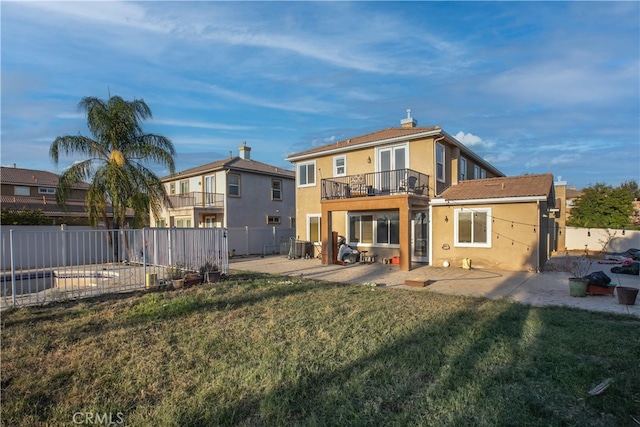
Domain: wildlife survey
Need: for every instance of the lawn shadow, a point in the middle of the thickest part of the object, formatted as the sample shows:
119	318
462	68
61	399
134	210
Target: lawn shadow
486	364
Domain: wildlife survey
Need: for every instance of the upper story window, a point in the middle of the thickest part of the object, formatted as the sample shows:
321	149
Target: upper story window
184	187
172	188
45	190
233	180
306	174
463	169
276	189
440	162
21	191
473	227
339	166
479	173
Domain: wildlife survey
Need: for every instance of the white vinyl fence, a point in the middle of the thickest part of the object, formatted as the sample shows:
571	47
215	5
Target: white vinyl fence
43	264
259	240
602	239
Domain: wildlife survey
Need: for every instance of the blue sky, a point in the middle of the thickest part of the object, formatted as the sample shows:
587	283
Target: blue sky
532	87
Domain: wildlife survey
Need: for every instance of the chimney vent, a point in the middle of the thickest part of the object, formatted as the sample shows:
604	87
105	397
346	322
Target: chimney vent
409	122
245	151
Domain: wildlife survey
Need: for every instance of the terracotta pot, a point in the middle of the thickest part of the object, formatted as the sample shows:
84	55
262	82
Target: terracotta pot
177	283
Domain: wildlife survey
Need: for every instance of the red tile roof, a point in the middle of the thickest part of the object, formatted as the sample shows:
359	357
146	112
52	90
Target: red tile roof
235	163
31	177
503	187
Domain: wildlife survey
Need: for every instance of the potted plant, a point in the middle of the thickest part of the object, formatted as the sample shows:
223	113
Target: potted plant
210	272
193	278
176	274
577	267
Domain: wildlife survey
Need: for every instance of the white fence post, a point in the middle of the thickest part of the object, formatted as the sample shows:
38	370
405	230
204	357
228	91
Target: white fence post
63	229
13	270
246	228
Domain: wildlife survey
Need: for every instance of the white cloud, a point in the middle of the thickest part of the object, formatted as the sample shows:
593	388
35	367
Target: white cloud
468	138
201	125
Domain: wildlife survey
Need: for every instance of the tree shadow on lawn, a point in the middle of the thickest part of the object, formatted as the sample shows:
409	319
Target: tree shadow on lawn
493	363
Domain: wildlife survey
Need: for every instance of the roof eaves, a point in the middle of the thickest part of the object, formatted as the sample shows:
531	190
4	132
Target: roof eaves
472	154
492	200
344	148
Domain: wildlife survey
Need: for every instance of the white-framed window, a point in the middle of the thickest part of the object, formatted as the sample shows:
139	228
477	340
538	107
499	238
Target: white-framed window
21	191
160	223
307	174
172	188
184	187
476	172
183	222
276	190
483	174
374	228
440	171
233	181
472	227
313	227
462	165
273	219
45	190
339	166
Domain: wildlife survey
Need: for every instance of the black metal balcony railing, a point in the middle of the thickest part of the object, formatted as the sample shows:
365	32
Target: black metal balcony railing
398	181
197	199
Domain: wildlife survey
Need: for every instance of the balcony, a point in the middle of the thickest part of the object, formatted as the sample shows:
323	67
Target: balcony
398	181
197	199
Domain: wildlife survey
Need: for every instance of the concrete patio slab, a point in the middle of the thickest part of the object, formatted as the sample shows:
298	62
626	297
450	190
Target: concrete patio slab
538	289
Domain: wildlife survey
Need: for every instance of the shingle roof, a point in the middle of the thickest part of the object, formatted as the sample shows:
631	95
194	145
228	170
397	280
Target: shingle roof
503	187
235	163
381	135
31	177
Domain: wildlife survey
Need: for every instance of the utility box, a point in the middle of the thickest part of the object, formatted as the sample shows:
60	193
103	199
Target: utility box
303	249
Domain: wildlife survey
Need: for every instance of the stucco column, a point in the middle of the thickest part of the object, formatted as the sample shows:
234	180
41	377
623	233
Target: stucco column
405	238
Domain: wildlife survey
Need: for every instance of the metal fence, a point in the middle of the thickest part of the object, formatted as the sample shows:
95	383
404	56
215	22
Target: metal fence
43	266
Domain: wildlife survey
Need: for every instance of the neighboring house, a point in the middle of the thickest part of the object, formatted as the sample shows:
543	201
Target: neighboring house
376	189
36	190
234	192
505	223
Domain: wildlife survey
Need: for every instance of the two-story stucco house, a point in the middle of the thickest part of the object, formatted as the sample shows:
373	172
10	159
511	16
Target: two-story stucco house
32	189
375	189
233	192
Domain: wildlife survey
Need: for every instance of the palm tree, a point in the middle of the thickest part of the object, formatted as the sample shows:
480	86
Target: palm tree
116	159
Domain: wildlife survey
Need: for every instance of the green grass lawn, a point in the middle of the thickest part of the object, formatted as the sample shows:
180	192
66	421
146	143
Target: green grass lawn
257	349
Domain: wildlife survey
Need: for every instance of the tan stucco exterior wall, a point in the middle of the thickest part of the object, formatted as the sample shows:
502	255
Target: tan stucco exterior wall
514	234
421	158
